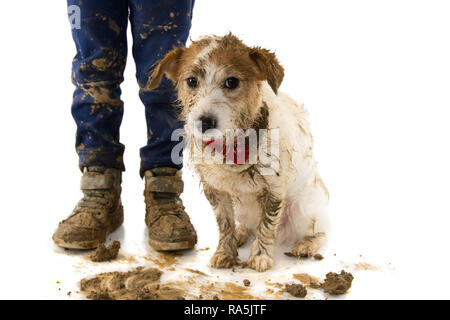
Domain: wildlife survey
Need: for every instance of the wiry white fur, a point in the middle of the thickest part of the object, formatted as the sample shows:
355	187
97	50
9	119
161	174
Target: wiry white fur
207	50
306	197
305	209
283	201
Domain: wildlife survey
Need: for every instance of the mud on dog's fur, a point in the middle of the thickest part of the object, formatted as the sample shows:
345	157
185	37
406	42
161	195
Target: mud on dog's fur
231	86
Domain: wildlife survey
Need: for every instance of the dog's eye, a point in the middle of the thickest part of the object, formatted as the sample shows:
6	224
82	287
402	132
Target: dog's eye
192	82
231	83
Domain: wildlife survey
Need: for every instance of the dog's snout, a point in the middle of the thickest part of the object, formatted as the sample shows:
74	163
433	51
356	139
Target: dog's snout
208	122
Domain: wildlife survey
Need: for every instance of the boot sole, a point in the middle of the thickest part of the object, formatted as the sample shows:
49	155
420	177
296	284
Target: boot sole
91	244
171	246
79	245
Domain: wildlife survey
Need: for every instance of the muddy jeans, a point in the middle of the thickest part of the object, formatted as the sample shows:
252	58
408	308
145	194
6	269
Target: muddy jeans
99	29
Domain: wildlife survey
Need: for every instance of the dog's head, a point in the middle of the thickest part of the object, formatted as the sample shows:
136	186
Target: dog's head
219	82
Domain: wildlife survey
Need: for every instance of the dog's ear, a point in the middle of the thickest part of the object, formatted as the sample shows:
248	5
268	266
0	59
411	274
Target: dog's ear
169	66
268	65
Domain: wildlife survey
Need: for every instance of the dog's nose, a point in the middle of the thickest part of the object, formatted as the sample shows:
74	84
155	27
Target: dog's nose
208	122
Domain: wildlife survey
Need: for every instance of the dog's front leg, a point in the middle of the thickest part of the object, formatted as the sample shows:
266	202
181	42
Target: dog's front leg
226	254
263	248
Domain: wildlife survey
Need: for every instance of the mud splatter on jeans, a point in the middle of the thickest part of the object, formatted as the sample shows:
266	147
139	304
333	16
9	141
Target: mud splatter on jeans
101	42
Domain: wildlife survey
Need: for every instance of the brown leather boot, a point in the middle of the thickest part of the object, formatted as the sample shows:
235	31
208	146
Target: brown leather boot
169	226
97	214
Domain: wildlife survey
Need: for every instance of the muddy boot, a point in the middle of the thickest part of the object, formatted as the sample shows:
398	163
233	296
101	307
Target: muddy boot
97	214
168	224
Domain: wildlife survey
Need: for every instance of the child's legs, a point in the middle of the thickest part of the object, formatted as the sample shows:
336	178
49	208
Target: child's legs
157	27
100	38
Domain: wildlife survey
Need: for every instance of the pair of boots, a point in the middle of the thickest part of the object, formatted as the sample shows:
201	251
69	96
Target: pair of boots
100	211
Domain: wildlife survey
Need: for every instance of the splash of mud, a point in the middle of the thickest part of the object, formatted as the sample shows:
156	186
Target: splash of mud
164	260
364	266
233	291
307	280
196	272
276	292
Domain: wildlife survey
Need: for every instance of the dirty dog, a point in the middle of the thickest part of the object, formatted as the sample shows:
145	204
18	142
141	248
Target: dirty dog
223	84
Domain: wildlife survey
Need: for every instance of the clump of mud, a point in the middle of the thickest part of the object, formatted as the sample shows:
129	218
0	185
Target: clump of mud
246	282
138	284
103	253
318	256
296	290
337	283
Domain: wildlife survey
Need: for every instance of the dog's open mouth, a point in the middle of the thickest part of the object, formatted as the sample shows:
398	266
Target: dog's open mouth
236	152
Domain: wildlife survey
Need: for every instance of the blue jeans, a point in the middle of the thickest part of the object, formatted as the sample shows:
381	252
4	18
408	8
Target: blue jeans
99	29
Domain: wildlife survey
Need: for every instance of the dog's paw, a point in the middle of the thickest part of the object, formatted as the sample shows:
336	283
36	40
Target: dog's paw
305	248
260	262
222	259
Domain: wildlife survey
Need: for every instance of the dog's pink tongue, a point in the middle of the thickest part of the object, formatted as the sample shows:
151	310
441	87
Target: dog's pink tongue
240	154
236	153
213	143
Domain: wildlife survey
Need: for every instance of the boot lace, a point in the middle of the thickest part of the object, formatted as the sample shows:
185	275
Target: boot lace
93	201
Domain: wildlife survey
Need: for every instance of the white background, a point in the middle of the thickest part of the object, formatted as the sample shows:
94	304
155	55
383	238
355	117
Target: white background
375	76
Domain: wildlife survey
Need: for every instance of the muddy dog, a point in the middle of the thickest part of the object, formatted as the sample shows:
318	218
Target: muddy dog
225	85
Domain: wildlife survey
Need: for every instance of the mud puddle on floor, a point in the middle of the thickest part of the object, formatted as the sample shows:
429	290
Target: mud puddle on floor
188	276
145	284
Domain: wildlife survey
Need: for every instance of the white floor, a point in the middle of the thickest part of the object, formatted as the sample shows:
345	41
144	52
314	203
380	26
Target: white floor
374	77
39	270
